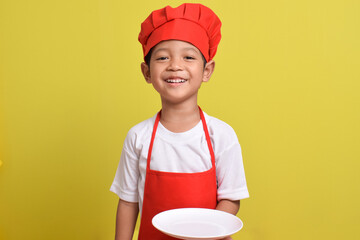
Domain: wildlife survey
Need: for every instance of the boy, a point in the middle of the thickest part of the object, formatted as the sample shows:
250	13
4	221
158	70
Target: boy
181	157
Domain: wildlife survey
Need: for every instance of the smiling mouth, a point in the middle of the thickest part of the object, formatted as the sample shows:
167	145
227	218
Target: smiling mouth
180	80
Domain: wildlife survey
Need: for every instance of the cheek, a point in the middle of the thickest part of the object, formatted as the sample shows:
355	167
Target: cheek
197	68
198	72
155	71
153	75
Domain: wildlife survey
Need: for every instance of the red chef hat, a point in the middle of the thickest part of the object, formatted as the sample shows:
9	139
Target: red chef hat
193	23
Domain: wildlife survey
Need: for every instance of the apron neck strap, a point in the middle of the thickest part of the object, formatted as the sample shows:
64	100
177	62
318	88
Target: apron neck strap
208	140
157	120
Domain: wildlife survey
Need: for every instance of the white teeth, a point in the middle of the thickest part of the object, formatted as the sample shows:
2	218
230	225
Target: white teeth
175	80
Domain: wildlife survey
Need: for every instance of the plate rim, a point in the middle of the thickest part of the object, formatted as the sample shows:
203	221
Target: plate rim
197	209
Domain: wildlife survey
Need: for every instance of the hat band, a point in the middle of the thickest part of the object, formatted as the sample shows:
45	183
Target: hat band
180	29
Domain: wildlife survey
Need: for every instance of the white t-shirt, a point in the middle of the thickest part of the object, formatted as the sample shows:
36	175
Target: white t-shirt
180	152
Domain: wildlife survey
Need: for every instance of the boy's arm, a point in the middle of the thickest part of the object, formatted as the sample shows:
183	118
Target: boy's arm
126	216
230	207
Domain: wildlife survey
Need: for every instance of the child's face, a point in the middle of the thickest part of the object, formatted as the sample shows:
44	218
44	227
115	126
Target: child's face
177	70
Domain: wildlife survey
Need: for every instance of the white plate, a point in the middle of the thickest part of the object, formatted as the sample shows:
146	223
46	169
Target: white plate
197	223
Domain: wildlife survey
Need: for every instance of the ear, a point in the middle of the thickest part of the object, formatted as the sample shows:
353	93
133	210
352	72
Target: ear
145	69
208	70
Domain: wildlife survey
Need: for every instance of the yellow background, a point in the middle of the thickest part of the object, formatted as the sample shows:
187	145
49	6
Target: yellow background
287	80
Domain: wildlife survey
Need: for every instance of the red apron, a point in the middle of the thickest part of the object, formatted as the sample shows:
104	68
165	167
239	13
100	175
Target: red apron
168	190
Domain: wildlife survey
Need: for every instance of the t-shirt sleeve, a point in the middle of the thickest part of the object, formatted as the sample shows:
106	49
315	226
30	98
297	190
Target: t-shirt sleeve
127	174
230	173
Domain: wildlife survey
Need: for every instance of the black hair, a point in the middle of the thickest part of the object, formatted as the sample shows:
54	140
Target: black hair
148	57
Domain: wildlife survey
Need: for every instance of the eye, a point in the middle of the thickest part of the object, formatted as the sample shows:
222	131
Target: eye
161	58
189	58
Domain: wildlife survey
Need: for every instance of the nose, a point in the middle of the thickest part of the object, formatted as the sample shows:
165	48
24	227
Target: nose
175	65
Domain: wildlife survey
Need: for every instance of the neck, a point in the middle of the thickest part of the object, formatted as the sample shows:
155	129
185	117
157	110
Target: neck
179	117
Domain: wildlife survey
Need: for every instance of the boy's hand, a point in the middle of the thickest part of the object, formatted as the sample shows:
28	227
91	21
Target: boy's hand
227	238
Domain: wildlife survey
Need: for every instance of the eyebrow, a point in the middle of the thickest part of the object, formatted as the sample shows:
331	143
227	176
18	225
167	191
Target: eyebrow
185	48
